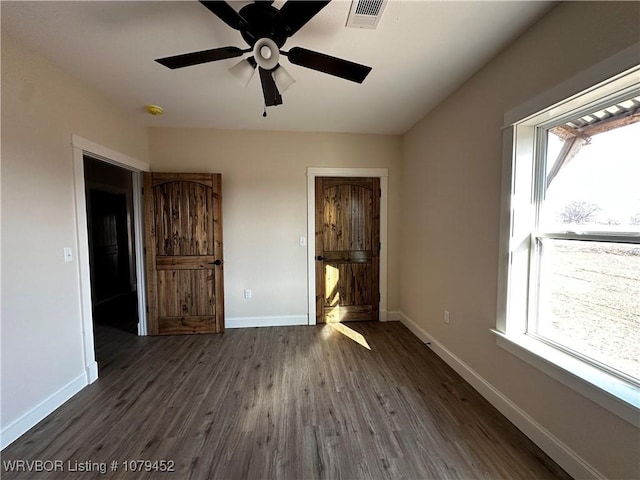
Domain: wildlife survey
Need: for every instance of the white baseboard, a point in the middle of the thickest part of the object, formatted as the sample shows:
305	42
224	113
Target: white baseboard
281	321
290	320
394	317
575	465
92	372
18	427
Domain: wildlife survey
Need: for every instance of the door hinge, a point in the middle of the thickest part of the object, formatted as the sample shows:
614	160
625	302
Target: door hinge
144	250
379	246
142	191
147	308
380	192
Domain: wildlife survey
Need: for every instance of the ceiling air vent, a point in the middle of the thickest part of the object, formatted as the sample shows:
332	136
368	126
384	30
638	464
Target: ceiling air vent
365	13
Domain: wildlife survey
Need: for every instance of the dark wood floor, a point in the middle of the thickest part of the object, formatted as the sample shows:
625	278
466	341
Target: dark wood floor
286	403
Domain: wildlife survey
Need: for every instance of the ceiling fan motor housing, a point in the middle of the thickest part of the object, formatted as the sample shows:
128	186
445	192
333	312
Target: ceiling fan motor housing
261	23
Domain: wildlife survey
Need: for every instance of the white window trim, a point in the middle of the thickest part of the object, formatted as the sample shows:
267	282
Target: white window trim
609	391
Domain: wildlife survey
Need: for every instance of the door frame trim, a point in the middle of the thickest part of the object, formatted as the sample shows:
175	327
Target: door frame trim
81	147
312	173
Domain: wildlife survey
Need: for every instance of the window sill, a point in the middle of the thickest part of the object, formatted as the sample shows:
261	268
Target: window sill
616	395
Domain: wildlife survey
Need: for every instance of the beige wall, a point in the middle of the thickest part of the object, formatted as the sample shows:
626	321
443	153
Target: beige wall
444	194
265	204
42	347
450	208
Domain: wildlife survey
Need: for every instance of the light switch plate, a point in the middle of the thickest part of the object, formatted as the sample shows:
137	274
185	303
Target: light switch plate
68	256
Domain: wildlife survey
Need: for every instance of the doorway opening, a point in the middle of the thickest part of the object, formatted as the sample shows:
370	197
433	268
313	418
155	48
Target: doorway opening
112	252
86	148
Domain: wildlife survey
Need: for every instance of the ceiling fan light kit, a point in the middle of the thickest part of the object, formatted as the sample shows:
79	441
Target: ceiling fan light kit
282	78
266	53
266	29
243	71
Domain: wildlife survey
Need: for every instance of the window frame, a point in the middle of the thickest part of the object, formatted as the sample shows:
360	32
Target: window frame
523	190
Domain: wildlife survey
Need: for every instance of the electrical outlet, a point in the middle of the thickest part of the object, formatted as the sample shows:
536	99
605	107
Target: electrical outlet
247	293
447	317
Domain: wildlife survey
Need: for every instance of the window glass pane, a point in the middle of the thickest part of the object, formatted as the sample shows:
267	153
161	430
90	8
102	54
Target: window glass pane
589	300
593	180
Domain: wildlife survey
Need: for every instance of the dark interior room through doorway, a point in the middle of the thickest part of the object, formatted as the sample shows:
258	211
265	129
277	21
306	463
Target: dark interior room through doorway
109	197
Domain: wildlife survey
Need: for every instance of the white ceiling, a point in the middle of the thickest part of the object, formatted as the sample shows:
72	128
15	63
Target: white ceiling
420	52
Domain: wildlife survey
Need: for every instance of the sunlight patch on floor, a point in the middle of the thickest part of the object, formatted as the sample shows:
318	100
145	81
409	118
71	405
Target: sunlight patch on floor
349	332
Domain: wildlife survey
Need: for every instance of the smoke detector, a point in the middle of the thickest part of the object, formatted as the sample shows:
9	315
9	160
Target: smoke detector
365	13
154	109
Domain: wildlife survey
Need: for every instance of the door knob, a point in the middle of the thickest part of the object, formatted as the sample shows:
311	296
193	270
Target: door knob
218	262
320	257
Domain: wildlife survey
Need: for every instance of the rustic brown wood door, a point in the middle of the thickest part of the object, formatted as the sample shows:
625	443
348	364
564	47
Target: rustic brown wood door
183	245
347	249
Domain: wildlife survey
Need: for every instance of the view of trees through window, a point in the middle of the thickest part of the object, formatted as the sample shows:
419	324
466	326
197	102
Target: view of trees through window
589	294
599	186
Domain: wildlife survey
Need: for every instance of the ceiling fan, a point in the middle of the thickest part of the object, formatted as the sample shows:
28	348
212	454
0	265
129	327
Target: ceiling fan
266	29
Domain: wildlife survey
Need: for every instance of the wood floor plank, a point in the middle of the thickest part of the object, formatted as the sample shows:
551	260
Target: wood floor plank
281	403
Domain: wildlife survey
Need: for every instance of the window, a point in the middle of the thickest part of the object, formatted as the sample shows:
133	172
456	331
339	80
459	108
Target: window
571	277
586	247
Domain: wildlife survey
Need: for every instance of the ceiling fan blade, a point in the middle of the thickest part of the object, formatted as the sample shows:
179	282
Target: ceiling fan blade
328	64
269	89
195	58
295	14
226	13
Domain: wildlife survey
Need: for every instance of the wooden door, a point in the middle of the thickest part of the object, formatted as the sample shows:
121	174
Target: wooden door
347	249
183	219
